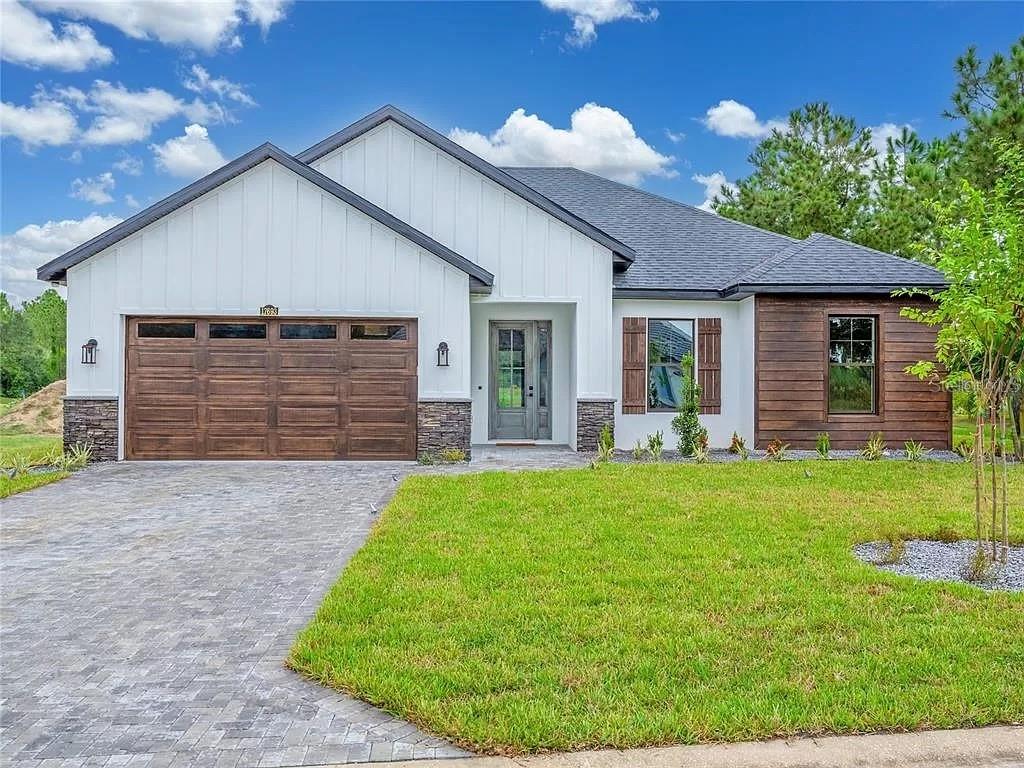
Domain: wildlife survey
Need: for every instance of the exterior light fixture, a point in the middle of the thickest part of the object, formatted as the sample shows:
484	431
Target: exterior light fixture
442	354
89	352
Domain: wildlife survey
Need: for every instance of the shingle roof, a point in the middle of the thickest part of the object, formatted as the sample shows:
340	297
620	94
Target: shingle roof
687	250
56	269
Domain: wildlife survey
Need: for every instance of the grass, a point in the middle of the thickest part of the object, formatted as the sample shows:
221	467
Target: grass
34	447
652	604
963	429
6	403
12	485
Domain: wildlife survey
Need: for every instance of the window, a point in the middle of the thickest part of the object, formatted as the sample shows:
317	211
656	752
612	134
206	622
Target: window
511	368
238	330
851	364
309	331
668	342
379	332
167	330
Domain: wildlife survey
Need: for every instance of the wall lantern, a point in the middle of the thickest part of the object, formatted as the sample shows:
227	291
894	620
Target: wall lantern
89	352
442	354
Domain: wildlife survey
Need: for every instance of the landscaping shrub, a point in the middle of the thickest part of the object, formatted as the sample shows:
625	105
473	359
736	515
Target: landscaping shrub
823	445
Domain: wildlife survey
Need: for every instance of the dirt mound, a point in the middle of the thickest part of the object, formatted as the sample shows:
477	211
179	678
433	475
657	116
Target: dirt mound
41	413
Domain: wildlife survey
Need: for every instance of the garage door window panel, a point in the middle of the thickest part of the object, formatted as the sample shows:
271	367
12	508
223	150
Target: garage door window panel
308	331
248	331
166	330
379	332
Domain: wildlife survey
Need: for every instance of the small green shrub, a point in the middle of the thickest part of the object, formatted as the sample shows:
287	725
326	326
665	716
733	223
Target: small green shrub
686	422
702	453
656	445
947	534
744	453
979	567
639	450
605	444
452	455
874	448
737	445
915	450
426	458
17	465
78	456
895	548
965	449
823	445
776	450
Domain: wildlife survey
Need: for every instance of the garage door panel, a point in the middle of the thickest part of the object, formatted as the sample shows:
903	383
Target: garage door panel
160	385
224	360
237	414
164	446
221	445
309	361
271	397
299	445
237	386
155	415
319	387
151	359
308	416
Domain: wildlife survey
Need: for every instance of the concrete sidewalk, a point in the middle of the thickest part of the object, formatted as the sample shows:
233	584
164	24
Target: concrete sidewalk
997	747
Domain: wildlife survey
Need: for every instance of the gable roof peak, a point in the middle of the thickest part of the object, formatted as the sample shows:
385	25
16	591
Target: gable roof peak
622	252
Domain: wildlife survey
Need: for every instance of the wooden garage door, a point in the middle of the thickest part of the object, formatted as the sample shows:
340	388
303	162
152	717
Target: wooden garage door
270	388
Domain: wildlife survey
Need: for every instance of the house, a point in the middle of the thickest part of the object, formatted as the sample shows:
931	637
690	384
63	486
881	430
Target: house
387	293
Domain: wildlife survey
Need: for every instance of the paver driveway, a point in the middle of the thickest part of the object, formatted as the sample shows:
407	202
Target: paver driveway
147	608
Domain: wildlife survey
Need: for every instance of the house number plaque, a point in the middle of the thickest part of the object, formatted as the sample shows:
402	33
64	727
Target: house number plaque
268	310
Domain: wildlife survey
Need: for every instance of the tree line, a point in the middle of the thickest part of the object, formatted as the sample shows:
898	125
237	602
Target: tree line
821	172
33	343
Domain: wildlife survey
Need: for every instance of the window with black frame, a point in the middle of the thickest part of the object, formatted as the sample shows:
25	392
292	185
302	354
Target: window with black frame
852	344
668	342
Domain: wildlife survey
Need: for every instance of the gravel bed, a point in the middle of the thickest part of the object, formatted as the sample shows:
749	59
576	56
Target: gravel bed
946	561
722	456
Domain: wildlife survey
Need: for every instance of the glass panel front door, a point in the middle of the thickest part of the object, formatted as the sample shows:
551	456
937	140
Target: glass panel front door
520	380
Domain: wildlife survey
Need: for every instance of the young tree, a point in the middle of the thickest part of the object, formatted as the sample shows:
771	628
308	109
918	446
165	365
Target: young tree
807	178
980	315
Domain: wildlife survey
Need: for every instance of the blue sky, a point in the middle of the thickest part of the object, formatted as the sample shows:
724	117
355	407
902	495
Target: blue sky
106	112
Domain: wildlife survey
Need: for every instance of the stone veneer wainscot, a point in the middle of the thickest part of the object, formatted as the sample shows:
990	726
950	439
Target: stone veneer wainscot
442	424
92	421
591	417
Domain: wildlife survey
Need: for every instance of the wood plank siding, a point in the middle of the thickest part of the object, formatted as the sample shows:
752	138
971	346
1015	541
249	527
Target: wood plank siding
791	374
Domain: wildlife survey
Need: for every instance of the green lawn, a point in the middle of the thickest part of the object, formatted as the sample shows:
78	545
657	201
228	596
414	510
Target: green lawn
963	429
654	604
12	485
34	447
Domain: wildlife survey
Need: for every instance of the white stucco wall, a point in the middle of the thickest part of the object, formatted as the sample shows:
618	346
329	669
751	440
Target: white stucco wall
563	398
266	237
737	371
533	256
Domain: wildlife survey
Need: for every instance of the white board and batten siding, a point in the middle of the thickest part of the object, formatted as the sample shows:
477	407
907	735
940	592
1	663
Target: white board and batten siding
533	256
266	237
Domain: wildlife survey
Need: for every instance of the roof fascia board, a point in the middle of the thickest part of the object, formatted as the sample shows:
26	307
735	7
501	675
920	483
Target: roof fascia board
56	269
620	251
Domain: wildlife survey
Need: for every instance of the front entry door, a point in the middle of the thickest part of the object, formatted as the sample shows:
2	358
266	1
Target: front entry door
520	380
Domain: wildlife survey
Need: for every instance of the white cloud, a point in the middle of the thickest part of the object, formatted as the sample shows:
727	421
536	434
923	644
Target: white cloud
131	202
674	136
35	244
124	116
46	121
203	25
880	135
201	82
129	165
95	190
599	139
735	120
189	156
31	40
714	184
587	15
